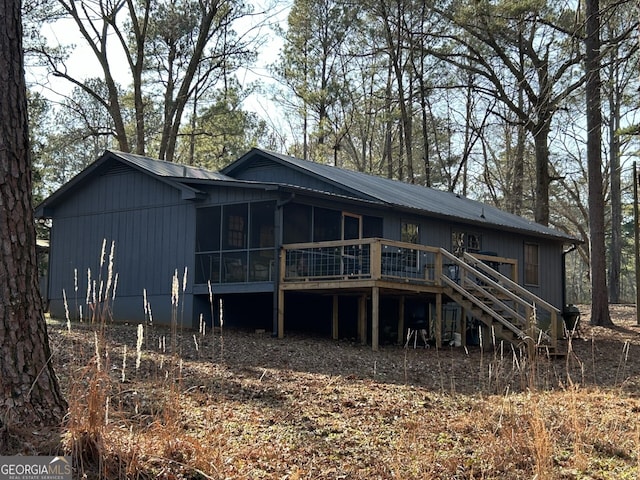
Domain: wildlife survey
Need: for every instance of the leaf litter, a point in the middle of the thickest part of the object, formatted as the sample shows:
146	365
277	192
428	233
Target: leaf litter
244	405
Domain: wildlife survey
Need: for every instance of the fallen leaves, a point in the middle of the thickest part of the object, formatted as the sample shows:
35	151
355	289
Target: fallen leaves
250	406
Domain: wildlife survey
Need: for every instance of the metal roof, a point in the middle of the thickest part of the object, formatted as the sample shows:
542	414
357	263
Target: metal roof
357	185
173	174
169	169
415	197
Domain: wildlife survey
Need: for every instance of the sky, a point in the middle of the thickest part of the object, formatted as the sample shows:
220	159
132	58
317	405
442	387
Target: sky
82	63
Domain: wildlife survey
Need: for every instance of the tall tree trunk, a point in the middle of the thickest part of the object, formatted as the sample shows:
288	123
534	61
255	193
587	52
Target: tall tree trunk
541	140
599	297
388	136
192	135
29	389
423	101
305	131
395	50
174	116
168	108
517	190
425	134
615	248
139	28
516	187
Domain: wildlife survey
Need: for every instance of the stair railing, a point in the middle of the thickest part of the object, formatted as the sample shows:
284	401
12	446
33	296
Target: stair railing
538	303
482	290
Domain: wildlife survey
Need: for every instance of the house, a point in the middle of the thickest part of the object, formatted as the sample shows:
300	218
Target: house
292	244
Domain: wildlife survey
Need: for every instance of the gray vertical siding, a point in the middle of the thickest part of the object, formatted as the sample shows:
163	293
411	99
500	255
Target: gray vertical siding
154	233
153	230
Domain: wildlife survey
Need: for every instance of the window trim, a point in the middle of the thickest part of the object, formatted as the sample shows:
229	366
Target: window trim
345	215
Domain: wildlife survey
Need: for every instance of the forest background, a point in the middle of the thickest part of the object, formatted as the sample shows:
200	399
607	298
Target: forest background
483	98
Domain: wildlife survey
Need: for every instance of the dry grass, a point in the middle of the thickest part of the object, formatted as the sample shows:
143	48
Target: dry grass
247	406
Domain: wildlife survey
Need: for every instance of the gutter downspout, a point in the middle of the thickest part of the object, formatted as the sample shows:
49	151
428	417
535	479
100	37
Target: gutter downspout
564	274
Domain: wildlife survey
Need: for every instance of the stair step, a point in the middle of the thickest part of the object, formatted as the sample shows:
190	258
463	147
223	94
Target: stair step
500	330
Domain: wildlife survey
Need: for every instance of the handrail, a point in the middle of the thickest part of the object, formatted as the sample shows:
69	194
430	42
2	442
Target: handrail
484	307
328	244
405	261
519	300
361	241
488	279
503	305
523	292
554	312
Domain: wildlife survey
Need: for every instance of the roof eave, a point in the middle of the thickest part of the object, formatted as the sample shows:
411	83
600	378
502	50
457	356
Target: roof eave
560	236
46	208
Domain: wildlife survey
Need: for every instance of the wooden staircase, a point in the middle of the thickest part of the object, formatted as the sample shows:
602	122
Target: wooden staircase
511	312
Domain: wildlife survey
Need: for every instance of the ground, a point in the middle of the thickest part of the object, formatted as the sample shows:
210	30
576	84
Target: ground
242	405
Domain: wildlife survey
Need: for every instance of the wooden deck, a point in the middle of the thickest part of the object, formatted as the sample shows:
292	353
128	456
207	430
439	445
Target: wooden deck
374	267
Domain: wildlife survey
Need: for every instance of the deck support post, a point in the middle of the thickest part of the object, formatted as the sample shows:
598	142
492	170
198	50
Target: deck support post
362	319
463	327
401	304
438	320
555	330
334	319
282	257
375	320
280	313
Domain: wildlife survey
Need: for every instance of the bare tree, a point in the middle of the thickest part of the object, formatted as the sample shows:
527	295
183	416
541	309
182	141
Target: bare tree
599	296
172	50
395	34
311	68
542	69
30	393
619	67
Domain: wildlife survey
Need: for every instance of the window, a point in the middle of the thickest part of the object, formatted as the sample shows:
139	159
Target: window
235	243
263	239
351	226
409	233
207	229
235	227
531	264
207	244
473	242
465	242
262	220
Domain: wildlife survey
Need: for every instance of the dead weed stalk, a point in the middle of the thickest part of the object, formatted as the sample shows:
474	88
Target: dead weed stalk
90	384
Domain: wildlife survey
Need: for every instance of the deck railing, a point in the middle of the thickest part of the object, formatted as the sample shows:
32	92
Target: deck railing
370	258
388	260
